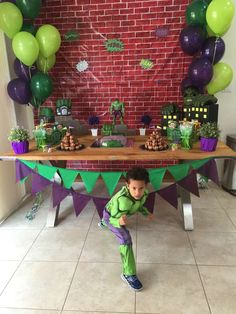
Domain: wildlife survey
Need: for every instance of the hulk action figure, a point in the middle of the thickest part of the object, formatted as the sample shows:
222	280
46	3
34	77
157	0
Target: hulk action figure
117	110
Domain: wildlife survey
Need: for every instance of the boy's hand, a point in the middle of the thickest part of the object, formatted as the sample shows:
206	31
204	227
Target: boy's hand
150	217
123	220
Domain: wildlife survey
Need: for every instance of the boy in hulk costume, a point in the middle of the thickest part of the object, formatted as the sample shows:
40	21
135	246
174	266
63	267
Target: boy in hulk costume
129	200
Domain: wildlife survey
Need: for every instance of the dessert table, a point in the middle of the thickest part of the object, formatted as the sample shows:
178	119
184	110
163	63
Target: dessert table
59	158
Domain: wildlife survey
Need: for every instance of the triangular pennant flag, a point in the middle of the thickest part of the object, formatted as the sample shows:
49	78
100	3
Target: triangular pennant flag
58	193
156	176
179	171
38	183
199	163
100	204
68	176
89	178
209	170
150	201
80	201
170	194
47	172
111	179
22	171
30	164
190	183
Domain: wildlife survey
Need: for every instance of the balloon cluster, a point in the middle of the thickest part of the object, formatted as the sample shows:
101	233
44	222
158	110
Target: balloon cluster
30	46
207	21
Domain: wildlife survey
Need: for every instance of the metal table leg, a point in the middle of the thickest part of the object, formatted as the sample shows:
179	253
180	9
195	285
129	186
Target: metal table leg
186	208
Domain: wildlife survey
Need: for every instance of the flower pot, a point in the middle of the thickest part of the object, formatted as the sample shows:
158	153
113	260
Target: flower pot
142	131
94	132
208	144
20	147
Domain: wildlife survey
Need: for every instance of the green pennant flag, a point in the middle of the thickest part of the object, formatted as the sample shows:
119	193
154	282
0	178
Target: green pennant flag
179	171
111	179
30	164
68	176
156	176
89	178
199	163
45	171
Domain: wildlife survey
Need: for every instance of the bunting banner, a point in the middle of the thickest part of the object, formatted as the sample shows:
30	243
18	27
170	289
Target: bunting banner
58	193
111	180
189	183
156	177
38	183
46	171
89	178
100	203
150	201
68	177
22	171
80	201
209	170
170	195
179	171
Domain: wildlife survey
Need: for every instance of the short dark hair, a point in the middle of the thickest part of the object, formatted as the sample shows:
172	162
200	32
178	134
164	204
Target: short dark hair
137	173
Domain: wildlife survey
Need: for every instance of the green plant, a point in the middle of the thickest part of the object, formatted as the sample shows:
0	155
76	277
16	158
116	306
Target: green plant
209	130
18	134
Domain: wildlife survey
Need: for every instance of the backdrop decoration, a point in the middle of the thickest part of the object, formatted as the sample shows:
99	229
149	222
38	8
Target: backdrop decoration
213	49
19	90
200	71
114	45
49	40
146	64
71	35
222	77
11	19
82	66
45	64
25	47
23	71
29	8
191	39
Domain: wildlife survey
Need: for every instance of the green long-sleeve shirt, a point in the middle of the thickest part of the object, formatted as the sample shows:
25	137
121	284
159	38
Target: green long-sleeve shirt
122	203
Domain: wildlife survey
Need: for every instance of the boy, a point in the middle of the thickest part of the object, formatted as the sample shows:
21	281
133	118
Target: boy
126	202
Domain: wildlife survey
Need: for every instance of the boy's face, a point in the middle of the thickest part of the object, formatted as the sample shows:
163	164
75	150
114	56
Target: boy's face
136	188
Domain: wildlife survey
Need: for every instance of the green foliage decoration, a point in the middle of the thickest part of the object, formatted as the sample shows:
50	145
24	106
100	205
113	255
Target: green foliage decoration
209	130
18	134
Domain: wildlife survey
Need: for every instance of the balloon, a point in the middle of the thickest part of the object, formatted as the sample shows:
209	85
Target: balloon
191	39
41	86
219	16
25	47
23	71
200	71
19	90
11	19
49	40
12	1
30	28
222	77
213	48
186	83
196	13
36	103
45	64
29	8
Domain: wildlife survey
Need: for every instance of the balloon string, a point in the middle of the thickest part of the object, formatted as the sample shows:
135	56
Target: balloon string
45	65
214	53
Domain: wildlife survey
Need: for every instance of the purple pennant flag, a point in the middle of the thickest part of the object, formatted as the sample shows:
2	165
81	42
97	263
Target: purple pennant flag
100	203
189	183
150	201
80	201
58	193
170	195
22	171
38	183
209	170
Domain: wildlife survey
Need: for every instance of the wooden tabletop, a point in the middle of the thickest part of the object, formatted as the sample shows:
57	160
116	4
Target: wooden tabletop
124	153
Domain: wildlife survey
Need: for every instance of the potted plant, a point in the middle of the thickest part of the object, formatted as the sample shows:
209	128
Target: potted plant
209	133
19	138
93	122
145	120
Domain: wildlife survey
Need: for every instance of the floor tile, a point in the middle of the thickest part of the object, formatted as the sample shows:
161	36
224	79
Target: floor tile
170	289
7	269
23	311
214	248
164	247
38	285
220	283
98	287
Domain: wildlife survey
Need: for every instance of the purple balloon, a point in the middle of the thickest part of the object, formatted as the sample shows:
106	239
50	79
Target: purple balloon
200	71
214	49
191	39
19	90
23	71
12	1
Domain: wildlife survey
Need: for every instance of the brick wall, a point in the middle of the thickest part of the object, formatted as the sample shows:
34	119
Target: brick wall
118	74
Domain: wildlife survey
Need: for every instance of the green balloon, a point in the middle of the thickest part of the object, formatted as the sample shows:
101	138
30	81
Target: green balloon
11	19
41	86
29	8
49	40
30	28
222	77
36	103
25	47
45	64
196	13
219	16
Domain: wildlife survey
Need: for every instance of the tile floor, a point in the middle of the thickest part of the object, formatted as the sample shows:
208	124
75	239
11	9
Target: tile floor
74	268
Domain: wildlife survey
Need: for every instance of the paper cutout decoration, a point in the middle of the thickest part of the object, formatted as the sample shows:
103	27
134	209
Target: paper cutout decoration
71	35
114	45
162	31
146	64
82	66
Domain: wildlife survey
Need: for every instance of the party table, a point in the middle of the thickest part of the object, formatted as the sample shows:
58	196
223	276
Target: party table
132	152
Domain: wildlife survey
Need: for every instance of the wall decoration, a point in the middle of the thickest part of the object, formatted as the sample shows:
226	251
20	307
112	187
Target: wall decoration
146	64
71	35
114	45
82	66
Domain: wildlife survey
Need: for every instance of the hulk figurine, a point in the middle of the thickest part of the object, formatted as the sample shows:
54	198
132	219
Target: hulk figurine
117	110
